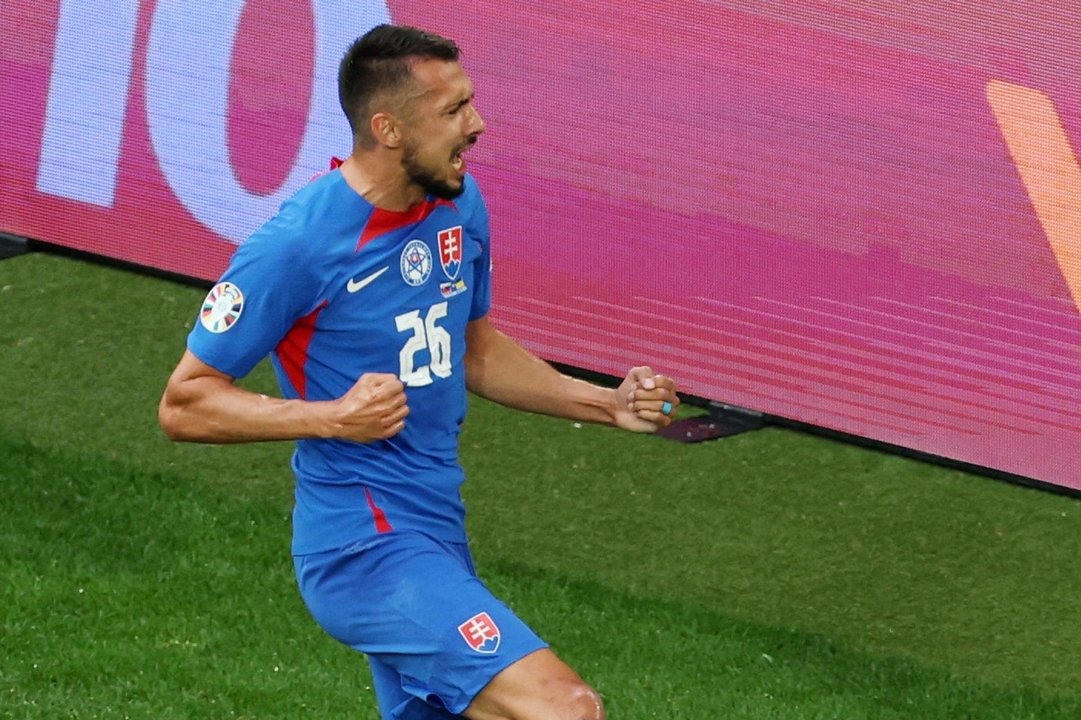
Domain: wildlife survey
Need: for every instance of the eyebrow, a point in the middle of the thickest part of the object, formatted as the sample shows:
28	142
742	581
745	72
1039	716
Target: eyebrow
458	103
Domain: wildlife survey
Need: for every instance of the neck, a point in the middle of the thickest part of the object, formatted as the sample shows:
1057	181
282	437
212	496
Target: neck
380	180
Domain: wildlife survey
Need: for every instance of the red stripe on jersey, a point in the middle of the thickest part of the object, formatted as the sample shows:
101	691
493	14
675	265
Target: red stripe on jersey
383	221
293	349
381	524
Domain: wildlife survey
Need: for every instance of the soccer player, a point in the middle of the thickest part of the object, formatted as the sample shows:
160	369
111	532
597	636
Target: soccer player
370	291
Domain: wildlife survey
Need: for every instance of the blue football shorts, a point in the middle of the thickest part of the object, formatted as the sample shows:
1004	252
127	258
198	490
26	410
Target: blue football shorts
434	634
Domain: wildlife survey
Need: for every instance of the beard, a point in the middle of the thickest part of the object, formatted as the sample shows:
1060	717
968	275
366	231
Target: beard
426	179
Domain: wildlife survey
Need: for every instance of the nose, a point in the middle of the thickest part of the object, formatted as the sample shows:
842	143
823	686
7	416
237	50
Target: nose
476	122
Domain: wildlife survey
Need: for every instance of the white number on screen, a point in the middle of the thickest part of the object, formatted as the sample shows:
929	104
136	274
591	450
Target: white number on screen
427	335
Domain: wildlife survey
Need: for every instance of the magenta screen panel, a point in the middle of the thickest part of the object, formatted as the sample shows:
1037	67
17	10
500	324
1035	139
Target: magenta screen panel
861	215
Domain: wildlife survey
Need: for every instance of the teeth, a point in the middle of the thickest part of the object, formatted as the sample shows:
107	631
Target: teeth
457	163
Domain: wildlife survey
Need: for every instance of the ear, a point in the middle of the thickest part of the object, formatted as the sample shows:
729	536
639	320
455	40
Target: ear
386	130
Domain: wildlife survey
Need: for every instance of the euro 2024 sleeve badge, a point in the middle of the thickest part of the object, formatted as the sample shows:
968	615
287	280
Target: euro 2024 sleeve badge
222	307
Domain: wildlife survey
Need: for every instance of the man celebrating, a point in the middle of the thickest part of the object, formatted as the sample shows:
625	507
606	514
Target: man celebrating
370	291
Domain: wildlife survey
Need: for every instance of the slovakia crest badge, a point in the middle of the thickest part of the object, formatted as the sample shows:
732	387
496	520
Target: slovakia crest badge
481	633
450	251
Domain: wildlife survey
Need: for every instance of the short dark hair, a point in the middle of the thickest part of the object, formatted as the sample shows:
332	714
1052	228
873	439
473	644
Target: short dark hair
378	61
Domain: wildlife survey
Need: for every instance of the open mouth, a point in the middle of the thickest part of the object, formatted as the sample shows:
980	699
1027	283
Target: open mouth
457	161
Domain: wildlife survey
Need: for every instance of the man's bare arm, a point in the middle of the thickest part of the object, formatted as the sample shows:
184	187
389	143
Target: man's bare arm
501	370
201	404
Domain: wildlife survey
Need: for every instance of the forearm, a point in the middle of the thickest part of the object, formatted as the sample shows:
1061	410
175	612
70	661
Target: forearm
212	410
499	369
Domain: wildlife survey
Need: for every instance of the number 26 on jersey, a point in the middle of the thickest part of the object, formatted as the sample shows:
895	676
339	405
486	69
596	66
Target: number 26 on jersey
426	334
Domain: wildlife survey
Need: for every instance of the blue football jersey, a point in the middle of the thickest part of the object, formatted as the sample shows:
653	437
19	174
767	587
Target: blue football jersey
332	288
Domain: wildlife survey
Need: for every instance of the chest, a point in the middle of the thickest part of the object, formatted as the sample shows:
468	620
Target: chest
403	300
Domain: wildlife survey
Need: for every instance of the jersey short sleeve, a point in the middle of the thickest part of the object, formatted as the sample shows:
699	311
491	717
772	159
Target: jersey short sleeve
269	285
477	227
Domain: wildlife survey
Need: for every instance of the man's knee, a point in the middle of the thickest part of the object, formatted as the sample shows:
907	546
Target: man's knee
562	700
584	703
537	687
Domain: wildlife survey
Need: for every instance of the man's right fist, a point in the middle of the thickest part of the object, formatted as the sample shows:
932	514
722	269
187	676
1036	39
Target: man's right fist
373	409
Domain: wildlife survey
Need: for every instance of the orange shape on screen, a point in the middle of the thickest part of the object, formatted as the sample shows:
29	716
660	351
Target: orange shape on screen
1048	167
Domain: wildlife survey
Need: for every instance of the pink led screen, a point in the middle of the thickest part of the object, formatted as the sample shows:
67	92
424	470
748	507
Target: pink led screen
865	216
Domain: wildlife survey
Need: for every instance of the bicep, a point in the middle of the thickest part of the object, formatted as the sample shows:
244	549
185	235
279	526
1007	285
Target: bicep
186	376
483	341
191	367
498	367
480	338
478	335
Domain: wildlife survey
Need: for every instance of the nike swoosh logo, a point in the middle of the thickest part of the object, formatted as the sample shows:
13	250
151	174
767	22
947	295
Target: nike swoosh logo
358	285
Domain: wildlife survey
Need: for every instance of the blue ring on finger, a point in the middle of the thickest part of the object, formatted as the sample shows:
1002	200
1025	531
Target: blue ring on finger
666	409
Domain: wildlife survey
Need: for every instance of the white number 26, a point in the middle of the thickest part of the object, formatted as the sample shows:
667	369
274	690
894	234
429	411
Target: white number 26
426	335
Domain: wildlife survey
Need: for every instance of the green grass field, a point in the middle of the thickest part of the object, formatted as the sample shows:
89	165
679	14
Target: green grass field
769	575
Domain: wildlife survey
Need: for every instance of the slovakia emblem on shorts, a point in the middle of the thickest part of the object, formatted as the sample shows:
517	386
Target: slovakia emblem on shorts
416	262
481	632
450	251
222	307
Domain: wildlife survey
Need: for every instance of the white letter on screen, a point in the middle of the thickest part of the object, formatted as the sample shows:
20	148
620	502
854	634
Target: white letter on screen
88	98
187	77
